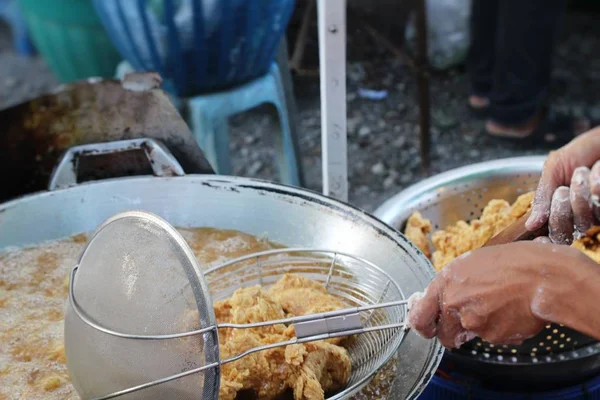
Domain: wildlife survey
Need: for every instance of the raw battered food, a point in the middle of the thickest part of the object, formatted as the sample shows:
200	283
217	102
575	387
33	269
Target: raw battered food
445	245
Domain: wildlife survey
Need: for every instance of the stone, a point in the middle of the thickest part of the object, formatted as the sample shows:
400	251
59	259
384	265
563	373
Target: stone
406	178
356	72
352	125
474	153
442	150
470	139
443	120
364	131
399	142
391	178
391	114
389	182
379	141
378	169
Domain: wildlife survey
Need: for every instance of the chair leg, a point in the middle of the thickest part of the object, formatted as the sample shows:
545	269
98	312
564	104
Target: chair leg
285	150
212	135
221	144
286	86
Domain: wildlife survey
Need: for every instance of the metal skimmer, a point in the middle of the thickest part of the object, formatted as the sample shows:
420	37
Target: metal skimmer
126	332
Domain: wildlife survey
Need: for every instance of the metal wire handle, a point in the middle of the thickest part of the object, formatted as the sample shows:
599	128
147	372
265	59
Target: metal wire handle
308	328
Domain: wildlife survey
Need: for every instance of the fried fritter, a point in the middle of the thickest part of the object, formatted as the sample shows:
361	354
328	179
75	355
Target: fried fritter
308	369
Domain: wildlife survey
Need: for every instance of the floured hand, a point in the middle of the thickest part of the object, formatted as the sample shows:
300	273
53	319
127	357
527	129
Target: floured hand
503	294
568	195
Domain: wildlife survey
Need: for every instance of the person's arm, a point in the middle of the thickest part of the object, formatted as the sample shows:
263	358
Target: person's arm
573	300
506	294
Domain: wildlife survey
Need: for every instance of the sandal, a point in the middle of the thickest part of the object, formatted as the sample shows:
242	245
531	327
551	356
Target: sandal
552	133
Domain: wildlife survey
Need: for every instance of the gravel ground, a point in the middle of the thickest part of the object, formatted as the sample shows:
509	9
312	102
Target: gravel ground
382	135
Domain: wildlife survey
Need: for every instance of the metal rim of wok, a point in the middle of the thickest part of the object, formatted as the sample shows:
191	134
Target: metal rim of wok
186	201
396	210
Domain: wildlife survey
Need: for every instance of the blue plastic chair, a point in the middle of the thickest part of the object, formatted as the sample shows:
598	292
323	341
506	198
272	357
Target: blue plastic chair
10	13
197	46
219	63
210	114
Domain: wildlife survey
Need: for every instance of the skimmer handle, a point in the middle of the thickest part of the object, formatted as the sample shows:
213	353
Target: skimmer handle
516	232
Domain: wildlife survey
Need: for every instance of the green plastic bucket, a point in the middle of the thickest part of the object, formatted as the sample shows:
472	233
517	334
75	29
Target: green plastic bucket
71	38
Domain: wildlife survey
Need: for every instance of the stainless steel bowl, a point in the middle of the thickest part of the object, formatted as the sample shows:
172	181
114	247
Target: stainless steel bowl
461	194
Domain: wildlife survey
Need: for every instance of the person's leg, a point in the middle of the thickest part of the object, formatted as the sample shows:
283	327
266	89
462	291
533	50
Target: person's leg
480	59
526	37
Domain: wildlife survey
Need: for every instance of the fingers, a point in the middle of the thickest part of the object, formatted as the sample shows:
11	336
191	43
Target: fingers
525	329
549	182
595	189
424	312
583	217
573	210
450	331
560	222
558	169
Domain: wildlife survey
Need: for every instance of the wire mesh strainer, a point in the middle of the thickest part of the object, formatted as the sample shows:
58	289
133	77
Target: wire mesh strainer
461	194
126	333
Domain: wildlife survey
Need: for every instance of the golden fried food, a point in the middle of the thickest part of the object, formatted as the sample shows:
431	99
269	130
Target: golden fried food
463	236
417	231
33	291
590	244
309	370
301	296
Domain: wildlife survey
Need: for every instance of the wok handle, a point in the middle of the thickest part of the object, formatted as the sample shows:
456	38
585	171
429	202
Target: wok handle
118	157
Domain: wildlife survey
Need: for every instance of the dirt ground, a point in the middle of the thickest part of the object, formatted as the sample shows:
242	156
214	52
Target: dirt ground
382	135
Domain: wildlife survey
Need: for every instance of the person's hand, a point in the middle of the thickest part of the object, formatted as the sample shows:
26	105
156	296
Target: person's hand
568	194
506	294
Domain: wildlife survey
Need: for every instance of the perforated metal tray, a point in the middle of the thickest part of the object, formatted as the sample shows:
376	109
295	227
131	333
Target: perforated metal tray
461	194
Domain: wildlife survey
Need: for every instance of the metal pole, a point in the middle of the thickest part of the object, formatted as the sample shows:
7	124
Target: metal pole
423	83
332	60
288	87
